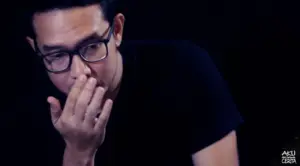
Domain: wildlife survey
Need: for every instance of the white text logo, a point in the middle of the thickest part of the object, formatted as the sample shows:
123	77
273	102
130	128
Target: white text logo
288	157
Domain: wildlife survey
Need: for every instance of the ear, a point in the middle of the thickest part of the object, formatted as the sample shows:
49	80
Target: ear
118	28
31	42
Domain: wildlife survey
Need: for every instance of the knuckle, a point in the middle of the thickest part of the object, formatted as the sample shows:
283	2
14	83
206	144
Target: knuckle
87	130
102	118
75	88
81	105
92	110
72	98
64	123
74	126
78	83
88	89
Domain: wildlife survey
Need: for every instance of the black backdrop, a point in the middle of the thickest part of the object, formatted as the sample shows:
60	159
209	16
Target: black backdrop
254	44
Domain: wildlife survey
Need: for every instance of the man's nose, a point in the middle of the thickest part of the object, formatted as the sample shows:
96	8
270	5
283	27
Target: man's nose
79	67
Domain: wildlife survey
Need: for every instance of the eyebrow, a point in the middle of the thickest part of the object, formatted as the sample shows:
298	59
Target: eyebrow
90	38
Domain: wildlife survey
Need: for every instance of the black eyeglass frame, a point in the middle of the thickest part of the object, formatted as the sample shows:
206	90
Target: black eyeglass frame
75	51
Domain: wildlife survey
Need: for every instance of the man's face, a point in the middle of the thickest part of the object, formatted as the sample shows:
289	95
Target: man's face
67	29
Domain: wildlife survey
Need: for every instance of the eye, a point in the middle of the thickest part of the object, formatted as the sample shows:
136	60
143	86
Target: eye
91	49
93	46
55	56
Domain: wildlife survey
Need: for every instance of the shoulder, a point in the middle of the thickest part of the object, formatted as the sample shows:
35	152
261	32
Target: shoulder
174	65
174	59
181	83
167	57
179	47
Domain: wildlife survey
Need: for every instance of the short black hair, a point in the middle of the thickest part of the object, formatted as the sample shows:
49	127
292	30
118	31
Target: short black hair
109	8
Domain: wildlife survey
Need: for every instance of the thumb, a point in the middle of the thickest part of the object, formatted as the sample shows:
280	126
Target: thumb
55	109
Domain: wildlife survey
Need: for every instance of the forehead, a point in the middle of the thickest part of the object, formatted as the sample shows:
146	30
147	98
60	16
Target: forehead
67	26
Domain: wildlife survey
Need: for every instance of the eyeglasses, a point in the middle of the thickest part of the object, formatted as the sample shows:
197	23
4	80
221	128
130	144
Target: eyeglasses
61	61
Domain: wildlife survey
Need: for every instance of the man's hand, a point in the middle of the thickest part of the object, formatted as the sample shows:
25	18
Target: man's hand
78	124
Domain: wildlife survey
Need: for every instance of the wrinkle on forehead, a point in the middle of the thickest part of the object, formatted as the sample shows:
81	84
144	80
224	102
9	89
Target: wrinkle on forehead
68	26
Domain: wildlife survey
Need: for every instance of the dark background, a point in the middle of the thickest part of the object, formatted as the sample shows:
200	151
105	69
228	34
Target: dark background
254	44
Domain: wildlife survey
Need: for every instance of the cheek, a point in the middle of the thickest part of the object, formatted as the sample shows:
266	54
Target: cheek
110	64
104	71
60	81
100	70
106	68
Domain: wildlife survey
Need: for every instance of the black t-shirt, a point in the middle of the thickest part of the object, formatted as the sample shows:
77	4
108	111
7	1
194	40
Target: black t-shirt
172	103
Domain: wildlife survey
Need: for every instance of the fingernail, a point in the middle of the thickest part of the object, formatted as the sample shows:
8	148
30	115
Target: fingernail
82	78
92	81
110	101
100	87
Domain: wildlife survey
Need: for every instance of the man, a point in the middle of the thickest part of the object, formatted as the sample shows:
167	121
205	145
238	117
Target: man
132	103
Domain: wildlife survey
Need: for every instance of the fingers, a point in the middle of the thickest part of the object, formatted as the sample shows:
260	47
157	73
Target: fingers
84	98
73	95
104	116
95	106
55	109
